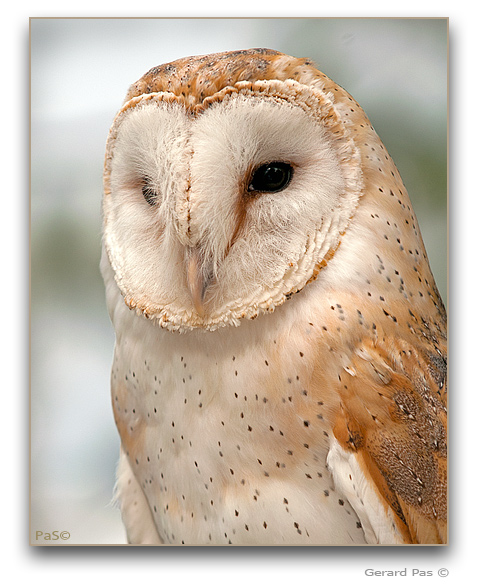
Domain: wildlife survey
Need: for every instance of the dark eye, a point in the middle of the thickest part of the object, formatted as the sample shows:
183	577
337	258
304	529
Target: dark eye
148	193
271	177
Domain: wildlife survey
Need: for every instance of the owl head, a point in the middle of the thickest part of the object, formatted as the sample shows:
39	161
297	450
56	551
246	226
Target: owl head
232	181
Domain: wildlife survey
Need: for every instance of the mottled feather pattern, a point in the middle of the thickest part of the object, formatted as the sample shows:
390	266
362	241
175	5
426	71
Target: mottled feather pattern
394	417
196	78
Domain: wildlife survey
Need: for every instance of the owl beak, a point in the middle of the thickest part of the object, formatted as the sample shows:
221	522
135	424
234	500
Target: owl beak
197	282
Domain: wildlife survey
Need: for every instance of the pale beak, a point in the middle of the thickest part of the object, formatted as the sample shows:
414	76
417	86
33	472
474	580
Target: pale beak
197	281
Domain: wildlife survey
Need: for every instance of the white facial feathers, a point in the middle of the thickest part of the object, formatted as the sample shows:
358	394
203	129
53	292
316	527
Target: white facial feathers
196	247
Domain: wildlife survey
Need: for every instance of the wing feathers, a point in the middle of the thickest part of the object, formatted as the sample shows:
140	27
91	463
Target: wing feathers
391	440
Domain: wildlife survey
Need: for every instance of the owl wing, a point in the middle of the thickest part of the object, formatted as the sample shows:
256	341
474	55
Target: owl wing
388	453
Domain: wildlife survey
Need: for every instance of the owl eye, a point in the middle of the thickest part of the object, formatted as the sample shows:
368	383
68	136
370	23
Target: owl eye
271	177
148	193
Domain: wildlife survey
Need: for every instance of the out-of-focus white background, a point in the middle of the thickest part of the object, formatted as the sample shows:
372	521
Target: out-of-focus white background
80	71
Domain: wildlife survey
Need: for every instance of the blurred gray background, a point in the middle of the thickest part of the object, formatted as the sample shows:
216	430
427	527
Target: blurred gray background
80	71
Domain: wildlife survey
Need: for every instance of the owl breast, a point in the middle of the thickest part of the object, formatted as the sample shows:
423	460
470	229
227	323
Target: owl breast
228	438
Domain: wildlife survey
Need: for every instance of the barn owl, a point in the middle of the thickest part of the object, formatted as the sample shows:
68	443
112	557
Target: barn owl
279	374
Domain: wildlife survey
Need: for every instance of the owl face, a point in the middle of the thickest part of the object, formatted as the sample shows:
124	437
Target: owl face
221	208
